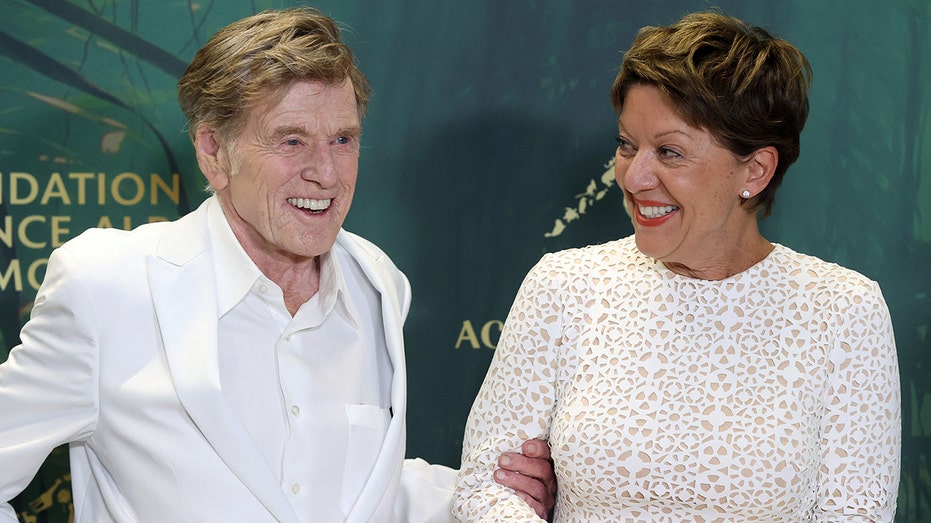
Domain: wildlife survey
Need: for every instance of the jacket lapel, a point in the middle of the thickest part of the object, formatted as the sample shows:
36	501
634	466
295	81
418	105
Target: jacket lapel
185	299
376	501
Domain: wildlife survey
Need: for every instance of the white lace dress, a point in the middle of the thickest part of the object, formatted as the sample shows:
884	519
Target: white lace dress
772	395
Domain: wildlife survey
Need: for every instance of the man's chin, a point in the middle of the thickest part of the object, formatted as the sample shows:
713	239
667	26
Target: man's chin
314	245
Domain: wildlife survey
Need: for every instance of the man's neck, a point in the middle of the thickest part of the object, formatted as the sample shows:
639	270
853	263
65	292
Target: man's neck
298	282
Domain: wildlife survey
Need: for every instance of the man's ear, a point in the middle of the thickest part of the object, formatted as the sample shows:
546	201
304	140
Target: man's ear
211	157
762	165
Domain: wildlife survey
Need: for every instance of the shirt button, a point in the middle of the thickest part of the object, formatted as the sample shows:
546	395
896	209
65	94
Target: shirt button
295	488
295	410
263	288
287	338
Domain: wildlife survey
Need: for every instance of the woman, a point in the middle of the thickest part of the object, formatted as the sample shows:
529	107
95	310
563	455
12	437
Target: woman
696	371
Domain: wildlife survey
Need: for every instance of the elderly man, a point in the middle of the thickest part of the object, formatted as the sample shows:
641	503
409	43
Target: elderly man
245	362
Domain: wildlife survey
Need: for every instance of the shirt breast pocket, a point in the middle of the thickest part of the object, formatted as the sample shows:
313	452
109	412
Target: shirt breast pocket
367	427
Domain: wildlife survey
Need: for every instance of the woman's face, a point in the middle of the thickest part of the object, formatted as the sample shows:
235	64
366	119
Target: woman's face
682	188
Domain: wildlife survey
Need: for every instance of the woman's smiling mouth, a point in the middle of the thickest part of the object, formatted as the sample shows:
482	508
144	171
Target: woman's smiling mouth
654	211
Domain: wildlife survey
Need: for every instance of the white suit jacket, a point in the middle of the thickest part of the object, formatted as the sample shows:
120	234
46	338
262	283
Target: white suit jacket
119	359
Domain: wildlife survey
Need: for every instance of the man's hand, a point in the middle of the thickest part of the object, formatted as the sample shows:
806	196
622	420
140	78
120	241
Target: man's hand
530	474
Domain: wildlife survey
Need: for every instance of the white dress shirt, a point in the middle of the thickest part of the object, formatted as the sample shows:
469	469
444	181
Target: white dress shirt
313	390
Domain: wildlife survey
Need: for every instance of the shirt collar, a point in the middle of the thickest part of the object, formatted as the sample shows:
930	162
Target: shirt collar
236	273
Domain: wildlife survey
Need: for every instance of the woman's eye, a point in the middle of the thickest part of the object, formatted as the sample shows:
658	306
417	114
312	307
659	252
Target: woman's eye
292	141
666	152
624	147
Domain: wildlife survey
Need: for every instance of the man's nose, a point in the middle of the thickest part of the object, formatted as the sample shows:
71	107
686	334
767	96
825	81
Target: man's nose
319	165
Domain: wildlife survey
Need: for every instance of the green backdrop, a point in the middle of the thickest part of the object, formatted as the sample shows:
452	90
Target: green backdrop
485	146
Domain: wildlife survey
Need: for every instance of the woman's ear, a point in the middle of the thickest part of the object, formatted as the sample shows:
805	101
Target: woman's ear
211	157
762	165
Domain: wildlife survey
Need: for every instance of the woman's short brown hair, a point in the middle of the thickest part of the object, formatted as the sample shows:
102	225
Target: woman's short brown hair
738	82
255	57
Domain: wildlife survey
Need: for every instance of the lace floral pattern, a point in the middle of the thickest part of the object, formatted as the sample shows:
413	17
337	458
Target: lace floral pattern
772	395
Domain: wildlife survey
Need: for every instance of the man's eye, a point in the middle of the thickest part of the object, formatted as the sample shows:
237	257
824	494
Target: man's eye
292	141
343	140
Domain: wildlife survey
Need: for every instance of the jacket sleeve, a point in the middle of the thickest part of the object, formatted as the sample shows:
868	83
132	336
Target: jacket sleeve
48	385
426	493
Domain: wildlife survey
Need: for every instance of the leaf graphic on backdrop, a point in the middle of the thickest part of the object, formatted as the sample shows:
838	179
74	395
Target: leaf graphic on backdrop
126	40
54	159
56	102
103	44
47	66
75	110
114	123
61	155
110	143
585	200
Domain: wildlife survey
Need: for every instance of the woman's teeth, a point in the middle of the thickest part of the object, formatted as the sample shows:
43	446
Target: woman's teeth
656	212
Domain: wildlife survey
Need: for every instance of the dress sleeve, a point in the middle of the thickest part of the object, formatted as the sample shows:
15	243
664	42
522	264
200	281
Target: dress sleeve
861	427
515	402
48	385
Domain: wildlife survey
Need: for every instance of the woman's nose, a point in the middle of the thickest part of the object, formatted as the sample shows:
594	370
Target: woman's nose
635	173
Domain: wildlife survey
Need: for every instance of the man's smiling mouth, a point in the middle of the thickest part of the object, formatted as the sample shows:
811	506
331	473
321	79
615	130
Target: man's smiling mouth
310	204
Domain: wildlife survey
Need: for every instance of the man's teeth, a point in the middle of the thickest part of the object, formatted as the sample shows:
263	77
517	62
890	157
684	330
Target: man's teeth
656	212
310	203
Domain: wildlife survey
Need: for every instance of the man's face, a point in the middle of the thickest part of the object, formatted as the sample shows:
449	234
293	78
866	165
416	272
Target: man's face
286	181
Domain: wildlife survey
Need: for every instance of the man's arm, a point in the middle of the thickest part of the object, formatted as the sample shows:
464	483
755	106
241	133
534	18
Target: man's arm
426	490
531	475
48	383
